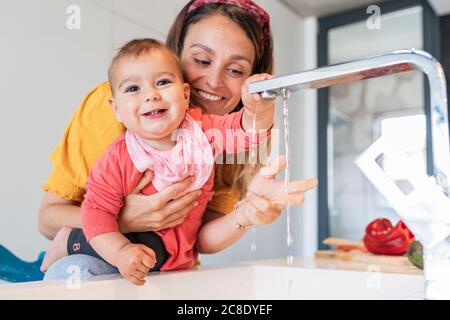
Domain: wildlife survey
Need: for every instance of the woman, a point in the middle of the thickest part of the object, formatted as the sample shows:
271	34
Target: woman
220	44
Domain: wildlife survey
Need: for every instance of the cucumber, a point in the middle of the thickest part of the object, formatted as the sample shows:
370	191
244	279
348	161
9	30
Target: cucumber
415	254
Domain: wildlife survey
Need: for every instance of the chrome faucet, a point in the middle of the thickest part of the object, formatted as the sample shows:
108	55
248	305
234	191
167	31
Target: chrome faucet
426	212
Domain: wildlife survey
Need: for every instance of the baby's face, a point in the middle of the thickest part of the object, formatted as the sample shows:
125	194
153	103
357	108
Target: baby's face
149	95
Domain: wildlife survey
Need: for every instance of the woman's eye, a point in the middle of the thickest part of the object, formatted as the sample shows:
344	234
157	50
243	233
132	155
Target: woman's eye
163	82
202	62
132	89
235	72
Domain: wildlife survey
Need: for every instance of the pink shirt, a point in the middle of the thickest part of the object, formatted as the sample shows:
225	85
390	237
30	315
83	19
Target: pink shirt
114	176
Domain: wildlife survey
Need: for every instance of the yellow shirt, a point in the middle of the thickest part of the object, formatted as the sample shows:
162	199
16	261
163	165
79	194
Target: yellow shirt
91	130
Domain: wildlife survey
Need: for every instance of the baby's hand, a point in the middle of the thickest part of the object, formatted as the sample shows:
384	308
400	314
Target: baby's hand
253	102
134	261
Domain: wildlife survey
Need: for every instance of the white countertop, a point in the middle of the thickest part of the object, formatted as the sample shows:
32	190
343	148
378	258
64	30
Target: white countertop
305	278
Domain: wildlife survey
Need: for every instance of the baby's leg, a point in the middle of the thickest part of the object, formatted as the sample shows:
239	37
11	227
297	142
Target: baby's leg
77	244
57	248
68	241
72	241
79	266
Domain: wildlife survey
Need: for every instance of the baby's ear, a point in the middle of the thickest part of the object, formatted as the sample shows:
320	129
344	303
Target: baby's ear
115	109
186	92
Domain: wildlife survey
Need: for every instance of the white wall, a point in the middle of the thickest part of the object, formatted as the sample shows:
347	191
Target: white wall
46	69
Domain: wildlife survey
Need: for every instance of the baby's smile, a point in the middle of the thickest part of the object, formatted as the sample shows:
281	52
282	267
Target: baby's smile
155	114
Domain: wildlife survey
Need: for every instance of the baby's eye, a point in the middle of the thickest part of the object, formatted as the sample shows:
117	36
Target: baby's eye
132	89
202	62
163	82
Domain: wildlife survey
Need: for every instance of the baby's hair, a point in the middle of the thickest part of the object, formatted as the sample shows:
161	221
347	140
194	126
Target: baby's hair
136	48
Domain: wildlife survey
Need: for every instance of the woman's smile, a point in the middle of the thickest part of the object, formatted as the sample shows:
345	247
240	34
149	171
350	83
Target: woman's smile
208	96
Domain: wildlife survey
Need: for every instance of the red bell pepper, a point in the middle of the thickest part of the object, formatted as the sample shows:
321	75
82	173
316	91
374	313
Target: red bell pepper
383	238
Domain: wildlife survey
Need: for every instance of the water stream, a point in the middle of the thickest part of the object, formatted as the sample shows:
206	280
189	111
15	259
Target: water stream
253	144
285	94
253	162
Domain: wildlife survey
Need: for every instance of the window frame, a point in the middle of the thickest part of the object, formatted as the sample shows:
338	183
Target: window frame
431	44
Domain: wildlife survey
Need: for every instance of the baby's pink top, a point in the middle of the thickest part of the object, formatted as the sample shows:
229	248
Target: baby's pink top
114	176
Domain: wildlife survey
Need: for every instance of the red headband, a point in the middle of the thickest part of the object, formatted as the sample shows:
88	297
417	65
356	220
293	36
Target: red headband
260	15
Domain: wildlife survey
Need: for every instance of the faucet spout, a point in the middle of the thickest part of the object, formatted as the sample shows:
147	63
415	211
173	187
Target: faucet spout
373	67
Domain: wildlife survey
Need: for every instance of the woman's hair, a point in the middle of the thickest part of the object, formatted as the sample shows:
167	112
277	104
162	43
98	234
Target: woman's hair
242	173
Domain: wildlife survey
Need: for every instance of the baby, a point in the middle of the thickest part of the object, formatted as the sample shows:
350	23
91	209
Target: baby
166	136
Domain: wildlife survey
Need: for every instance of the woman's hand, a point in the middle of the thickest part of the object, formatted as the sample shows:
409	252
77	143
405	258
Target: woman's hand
265	201
266	196
254	105
158	211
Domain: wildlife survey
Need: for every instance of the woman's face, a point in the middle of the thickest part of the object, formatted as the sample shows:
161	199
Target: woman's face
217	57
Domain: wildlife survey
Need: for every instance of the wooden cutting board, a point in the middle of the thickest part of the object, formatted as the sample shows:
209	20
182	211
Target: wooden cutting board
363	260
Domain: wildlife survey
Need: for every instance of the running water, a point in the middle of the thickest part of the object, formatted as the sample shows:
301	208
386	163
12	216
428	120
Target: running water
253	245
253	161
254	144
285	94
